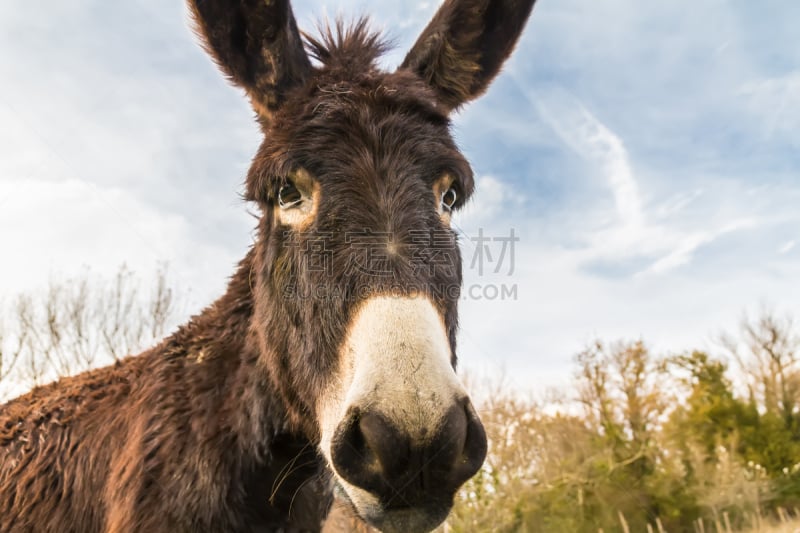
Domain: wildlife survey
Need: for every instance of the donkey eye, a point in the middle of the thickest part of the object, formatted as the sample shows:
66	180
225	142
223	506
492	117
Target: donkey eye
289	196
449	198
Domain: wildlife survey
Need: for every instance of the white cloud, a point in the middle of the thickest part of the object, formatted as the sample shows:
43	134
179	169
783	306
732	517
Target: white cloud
59	227
492	200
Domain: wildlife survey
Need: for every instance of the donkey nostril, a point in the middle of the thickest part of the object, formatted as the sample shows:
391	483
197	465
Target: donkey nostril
366	450
349	449
459	446
387	445
475	445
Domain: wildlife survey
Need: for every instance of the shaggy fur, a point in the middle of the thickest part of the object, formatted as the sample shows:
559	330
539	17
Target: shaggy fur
187	436
214	428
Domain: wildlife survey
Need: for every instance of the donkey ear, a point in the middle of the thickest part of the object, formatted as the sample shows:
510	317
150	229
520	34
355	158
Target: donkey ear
465	44
257	44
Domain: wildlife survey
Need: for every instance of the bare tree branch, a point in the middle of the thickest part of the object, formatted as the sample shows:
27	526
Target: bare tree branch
82	322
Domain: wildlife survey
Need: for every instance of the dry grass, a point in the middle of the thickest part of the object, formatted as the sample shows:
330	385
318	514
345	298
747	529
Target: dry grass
788	527
787	523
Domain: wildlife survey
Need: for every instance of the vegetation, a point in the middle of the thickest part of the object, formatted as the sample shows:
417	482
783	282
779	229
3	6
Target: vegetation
644	442
647	443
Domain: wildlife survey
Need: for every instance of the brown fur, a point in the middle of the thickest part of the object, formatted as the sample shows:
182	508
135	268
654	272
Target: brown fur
213	429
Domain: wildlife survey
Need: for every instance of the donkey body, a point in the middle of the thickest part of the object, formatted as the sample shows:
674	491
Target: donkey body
327	366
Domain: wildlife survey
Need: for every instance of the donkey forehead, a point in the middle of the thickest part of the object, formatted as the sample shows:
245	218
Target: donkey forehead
392	123
335	90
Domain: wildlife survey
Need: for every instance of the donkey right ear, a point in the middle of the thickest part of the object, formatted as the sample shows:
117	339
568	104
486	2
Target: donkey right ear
464	46
257	44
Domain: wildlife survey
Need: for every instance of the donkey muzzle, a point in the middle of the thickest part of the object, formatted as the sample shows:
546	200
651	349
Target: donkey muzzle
405	471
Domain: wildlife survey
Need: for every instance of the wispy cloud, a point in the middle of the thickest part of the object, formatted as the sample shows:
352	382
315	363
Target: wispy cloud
787	247
775	103
593	141
682	253
651	233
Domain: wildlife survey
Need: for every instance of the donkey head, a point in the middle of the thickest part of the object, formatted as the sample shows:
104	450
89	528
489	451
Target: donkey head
356	273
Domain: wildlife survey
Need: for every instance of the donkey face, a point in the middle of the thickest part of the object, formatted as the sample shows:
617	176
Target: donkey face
357	273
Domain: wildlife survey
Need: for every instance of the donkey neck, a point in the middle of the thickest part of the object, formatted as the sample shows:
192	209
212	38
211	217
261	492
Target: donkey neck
221	346
222	351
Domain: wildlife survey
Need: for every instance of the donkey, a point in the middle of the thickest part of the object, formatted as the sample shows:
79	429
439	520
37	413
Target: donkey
327	368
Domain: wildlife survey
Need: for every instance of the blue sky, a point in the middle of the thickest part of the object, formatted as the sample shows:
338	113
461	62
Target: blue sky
646	154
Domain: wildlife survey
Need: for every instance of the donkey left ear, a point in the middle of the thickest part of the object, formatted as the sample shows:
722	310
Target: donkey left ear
464	46
257	44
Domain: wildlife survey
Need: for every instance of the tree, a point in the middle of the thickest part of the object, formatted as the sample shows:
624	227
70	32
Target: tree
621	389
710	415
704	432
768	352
79	323
9	354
